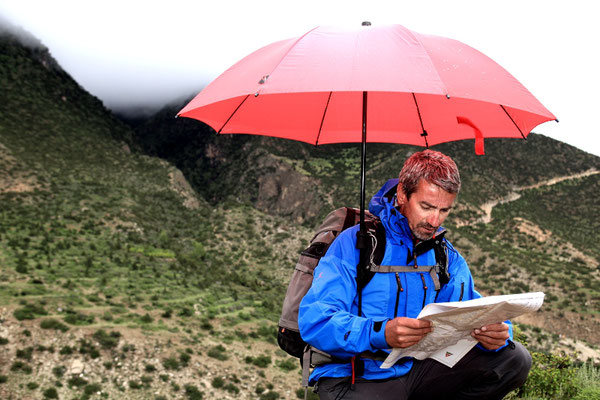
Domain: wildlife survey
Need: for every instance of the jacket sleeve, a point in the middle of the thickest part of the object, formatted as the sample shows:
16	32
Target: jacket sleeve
461	287
328	312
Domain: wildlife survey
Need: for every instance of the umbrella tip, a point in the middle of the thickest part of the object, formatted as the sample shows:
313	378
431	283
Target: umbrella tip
366	23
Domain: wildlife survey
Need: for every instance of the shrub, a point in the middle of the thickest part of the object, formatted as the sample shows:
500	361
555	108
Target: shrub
107	340
551	376
25	353
59	371
3	379
184	359
75	318
186	312
53	324
218	352
218	382
231	388
171	363
29	311
588	393
77	381
271	395
20	366
50	393
146	319
3	341
87	347
135	385
149	368
261	361
289	364
32	385
192	392
311	395
92	388
66	350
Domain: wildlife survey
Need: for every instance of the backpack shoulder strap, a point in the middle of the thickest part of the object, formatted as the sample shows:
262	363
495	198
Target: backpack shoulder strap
441	260
375	250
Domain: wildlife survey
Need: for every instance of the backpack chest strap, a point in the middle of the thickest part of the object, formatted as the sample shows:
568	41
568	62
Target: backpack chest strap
430	269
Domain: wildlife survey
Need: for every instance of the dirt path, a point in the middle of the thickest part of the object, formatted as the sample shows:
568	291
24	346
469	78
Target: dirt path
514	195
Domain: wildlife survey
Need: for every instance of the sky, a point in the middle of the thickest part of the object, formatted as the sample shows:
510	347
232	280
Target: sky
143	54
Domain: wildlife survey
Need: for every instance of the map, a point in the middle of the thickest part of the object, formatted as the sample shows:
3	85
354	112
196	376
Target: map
453	322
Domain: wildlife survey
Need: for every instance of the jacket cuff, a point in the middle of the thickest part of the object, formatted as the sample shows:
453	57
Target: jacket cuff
377	338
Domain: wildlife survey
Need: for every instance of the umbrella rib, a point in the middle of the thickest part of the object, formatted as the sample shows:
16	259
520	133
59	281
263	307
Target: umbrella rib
424	134
323	119
233	113
513	121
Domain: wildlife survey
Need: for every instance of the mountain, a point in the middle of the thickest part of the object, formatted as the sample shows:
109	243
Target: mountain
151	262
112	265
522	220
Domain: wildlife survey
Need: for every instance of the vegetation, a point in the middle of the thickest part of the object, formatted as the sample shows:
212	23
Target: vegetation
105	261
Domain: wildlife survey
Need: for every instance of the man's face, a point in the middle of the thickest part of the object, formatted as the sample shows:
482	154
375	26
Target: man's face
426	209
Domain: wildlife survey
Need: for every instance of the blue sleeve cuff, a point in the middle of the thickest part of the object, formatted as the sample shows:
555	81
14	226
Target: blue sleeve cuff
378	335
507	343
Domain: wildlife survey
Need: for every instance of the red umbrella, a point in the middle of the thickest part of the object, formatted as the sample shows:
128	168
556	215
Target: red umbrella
383	84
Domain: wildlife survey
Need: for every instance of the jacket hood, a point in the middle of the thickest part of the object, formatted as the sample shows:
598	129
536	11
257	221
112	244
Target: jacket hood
387	191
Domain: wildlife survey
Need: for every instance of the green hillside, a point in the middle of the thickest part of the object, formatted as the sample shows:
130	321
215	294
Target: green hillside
152	263
98	242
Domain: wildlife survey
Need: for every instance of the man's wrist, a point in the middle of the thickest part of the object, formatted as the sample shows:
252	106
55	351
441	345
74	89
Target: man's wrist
377	338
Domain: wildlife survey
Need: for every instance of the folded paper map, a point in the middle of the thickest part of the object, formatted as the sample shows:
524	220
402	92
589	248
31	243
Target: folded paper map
453	323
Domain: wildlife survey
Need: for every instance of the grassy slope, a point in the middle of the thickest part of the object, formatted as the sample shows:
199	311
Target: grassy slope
95	237
505	255
98	233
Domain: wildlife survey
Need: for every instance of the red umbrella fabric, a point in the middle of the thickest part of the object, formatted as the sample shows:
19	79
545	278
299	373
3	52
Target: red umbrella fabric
382	84
418	89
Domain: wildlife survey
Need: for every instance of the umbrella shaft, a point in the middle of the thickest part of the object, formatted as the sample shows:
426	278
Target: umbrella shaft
363	164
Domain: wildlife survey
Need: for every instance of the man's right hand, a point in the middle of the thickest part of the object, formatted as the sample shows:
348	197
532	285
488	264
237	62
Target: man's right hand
402	332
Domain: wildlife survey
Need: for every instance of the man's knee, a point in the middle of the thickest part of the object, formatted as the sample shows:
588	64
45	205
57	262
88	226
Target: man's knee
520	361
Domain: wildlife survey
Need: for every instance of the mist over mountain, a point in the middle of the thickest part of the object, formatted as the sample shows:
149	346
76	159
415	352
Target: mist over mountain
150	257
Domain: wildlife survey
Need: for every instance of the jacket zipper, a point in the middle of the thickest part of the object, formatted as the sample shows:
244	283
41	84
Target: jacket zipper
462	291
400	289
424	290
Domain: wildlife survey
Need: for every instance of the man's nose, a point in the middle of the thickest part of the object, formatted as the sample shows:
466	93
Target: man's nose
433	218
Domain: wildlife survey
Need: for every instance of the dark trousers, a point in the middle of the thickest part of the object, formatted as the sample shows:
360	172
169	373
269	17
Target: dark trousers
478	375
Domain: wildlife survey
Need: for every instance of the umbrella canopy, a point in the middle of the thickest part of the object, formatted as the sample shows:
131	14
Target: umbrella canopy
382	84
404	87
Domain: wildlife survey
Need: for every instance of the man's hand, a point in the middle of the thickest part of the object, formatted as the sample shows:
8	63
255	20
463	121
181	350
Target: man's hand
404	332
492	336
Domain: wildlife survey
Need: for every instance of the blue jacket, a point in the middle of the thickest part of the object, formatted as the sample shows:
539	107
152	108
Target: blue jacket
328	317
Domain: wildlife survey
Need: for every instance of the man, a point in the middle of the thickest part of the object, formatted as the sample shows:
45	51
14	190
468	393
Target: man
328	318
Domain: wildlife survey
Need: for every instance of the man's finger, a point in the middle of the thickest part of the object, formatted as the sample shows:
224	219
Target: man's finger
413	323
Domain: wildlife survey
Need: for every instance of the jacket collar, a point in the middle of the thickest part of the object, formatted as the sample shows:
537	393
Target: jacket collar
396	224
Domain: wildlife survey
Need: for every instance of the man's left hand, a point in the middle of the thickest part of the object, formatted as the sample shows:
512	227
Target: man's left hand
492	336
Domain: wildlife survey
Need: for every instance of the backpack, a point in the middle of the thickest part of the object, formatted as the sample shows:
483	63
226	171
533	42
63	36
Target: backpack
288	336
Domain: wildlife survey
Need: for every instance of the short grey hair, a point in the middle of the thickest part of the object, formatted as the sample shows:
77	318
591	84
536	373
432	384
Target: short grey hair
434	167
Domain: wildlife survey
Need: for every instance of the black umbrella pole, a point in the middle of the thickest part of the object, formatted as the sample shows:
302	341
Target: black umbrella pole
362	234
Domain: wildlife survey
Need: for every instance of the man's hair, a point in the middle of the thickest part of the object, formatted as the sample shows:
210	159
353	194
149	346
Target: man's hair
434	167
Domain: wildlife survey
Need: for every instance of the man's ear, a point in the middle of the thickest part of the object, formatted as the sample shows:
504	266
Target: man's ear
400	196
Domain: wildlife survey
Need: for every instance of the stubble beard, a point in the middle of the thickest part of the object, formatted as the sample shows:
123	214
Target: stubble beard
424	231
